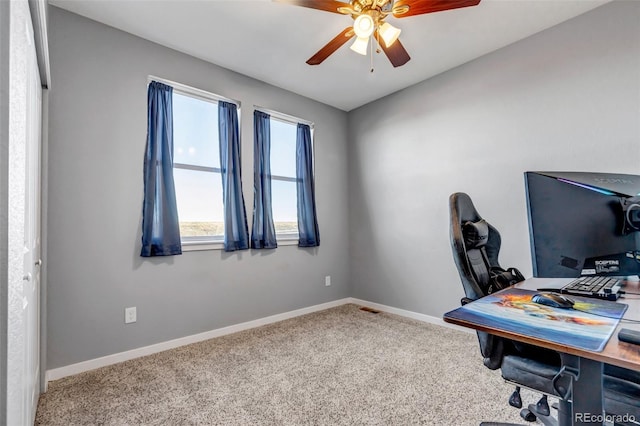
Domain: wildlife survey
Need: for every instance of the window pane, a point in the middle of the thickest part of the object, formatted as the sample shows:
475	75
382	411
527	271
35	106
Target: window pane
195	131
199	198
283	148
285	206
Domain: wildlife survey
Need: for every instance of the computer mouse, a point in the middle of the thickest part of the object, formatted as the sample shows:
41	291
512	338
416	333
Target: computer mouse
554	300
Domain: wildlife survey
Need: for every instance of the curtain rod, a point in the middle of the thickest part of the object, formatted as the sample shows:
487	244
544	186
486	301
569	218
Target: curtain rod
192	90
283	116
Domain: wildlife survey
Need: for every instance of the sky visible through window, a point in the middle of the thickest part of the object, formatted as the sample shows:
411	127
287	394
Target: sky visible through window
195	142
283	163
198	193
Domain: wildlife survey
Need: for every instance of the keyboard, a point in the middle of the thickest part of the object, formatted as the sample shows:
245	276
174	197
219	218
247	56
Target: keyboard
607	288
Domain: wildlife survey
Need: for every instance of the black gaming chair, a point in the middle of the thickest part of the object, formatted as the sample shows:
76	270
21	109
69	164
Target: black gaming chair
622	394
476	245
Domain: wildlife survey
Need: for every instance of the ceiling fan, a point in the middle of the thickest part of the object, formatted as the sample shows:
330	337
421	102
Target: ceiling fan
369	20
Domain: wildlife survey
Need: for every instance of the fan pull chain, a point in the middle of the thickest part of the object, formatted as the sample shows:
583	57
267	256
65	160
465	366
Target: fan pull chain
371	49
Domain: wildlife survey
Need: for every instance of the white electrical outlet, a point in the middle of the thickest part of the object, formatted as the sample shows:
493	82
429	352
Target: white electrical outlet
327	280
130	315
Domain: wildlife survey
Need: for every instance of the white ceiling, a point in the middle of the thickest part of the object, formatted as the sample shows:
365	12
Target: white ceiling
271	41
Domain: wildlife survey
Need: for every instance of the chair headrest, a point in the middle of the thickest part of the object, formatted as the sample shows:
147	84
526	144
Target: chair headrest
475	234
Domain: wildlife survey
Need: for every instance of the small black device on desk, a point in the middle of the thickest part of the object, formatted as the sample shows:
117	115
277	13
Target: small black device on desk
629	336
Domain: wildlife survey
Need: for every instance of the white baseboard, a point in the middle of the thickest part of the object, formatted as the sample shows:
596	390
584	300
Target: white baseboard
80	367
410	314
69	370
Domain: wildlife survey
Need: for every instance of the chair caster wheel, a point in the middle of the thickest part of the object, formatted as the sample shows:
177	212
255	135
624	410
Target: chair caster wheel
542	407
527	415
515	400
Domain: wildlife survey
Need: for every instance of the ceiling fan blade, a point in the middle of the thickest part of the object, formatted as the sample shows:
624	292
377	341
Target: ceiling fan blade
419	7
331	47
396	53
326	5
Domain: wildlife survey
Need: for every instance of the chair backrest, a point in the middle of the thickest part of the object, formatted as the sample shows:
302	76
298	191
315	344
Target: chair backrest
474	258
475	245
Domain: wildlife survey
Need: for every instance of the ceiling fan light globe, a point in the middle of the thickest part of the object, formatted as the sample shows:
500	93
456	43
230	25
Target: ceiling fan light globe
363	26
360	45
389	33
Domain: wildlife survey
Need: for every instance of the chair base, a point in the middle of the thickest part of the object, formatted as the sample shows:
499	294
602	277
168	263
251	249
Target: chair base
564	416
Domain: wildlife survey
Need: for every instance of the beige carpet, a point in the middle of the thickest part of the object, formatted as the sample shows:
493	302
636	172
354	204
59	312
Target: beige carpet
342	366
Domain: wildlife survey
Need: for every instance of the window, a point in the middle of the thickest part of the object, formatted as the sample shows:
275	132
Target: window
191	166
196	168
283	178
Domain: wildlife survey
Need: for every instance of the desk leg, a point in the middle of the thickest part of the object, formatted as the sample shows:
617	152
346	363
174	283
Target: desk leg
587	394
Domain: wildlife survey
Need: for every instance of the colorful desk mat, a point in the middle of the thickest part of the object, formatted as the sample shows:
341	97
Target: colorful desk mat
588	326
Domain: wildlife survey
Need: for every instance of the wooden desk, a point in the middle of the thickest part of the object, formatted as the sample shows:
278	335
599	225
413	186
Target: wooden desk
587	397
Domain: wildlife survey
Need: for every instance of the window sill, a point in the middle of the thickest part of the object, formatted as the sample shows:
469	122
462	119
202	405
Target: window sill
200	246
214	245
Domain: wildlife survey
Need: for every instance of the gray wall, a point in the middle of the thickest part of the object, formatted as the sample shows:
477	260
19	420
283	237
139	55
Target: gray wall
96	143
565	99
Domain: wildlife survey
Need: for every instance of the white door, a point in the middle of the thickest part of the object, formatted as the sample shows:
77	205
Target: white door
23	307
32	262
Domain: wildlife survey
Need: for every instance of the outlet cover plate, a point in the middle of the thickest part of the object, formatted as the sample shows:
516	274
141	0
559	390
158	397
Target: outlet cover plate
130	315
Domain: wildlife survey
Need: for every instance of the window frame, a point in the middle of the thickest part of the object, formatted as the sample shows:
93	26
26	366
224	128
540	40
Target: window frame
199	242
290	238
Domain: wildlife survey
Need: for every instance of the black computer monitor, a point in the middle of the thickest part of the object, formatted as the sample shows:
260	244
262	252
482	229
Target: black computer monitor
583	223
